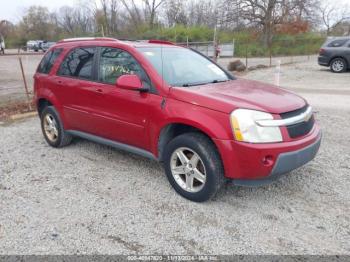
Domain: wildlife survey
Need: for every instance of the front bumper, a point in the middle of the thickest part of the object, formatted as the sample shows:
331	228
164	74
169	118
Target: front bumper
246	161
285	163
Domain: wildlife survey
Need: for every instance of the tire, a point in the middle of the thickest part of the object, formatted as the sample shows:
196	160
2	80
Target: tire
54	133
338	65
202	158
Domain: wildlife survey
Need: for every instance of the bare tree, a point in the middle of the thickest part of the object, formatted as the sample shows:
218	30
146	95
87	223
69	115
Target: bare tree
74	20
175	13
151	9
114	5
267	14
134	12
204	13
333	14
104	4
6	27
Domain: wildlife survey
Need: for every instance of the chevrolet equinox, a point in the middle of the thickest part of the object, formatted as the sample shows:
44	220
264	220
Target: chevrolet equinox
172	104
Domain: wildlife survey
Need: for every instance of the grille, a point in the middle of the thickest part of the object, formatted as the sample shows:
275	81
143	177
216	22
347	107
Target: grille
299	129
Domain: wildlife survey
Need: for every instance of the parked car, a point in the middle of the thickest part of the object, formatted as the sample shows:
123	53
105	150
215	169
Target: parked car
335	53
33	45
45	45
176	106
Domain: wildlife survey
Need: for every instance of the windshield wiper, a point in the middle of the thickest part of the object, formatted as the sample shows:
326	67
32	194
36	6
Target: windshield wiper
204	83
194	84
219	81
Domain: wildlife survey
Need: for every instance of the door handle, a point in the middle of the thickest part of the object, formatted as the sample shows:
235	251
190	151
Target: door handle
99	91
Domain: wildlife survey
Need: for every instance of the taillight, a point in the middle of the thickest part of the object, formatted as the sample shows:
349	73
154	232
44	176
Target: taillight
322	51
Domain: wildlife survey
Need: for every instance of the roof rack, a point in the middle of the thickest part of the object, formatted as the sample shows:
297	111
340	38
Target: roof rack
155	41
86	39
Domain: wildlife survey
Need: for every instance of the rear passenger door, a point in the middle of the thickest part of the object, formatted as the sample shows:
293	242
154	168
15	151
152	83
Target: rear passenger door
74	88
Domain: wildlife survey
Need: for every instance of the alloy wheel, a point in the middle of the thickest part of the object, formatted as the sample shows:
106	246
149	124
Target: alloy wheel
188	169
338	66
50	128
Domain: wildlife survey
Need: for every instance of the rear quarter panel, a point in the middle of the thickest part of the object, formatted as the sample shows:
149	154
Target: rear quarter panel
44	84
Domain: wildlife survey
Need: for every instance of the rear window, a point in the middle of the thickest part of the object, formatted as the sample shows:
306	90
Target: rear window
78	63
48	61
337	43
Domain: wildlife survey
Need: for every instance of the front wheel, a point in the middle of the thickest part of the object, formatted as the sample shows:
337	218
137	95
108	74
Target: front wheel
193	166
338	65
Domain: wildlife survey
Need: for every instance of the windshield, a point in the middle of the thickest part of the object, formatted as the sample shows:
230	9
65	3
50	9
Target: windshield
183	67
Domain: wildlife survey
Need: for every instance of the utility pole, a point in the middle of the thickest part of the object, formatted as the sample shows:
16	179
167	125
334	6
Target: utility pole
215	45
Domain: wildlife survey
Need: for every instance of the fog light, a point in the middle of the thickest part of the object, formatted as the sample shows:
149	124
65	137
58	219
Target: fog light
268	160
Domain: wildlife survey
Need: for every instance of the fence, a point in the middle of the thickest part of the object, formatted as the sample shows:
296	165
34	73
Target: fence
16	76
208	48
253	53
288	50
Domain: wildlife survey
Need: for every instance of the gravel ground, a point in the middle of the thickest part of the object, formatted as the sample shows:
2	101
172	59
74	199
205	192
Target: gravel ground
88	198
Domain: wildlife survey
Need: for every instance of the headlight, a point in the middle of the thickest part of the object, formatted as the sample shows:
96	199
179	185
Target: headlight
245	128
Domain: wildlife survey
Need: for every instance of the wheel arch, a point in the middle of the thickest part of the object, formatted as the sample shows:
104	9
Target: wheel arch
42	103
342	57
174	129
43	97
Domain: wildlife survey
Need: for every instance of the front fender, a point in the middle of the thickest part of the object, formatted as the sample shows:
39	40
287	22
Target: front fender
214	124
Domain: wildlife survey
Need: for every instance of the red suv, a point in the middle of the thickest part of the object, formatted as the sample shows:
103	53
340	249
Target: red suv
174	105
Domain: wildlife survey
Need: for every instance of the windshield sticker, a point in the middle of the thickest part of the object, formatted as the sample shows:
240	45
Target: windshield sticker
149	53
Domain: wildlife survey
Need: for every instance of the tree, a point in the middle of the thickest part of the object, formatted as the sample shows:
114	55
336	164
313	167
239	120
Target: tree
175	13
267	14
151	9
333	14
6	28
110	16
204	13
74	21
36	24
134	12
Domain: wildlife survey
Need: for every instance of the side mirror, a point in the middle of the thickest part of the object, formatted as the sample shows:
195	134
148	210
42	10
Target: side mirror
131	82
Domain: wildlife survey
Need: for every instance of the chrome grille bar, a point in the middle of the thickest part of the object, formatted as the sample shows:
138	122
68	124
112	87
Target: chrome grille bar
303	117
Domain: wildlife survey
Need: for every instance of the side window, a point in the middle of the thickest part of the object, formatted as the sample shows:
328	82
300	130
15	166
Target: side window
78	63
48	61
115	62
337	43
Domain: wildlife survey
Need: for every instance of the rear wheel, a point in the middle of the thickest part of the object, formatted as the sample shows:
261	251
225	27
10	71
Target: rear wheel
193	166
338	65
52	128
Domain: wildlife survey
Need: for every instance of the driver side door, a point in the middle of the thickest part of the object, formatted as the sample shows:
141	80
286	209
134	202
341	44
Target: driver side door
120	114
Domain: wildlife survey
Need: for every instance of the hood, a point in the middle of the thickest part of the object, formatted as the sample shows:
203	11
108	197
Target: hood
239	93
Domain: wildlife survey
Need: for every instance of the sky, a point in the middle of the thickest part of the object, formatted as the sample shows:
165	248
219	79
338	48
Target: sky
12	10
